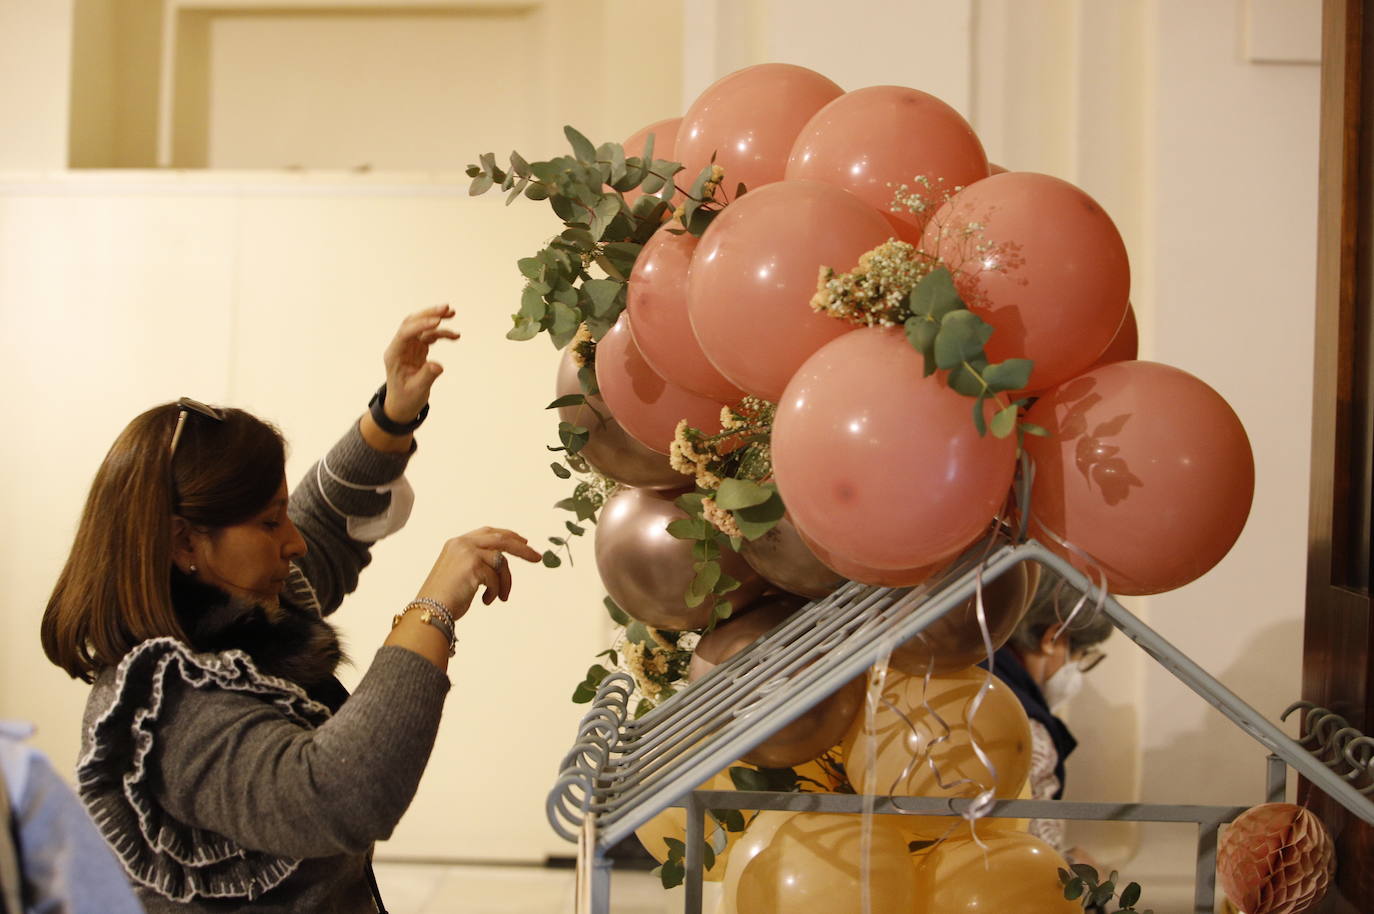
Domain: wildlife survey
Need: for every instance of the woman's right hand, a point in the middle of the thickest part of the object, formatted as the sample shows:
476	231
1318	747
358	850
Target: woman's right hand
472	561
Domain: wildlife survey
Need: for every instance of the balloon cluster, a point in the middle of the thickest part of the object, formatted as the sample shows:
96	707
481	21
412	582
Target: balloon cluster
832	352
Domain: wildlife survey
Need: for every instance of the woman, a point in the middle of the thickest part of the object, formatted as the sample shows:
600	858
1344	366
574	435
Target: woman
221	760
1044	663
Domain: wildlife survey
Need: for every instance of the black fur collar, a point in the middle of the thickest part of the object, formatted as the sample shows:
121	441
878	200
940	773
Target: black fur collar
287	642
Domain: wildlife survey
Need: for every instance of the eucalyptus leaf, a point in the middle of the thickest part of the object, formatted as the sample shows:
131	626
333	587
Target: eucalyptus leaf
551	560
1013	374
560	471
581	146
605	209
603	293
741	493
574	529
979	417
1030	428
748	779
536	192
965	381
935	296
638	633
1074	889
568	400
618	615
480	185
565	324
756	520
732	820
1004	421
530	267
684	528
586	377
524	329
1130	895
961	338
690	503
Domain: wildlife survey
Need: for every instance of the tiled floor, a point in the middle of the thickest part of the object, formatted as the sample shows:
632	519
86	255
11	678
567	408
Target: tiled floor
426	888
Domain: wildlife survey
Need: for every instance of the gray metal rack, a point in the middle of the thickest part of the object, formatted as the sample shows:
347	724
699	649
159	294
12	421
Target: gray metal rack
621	772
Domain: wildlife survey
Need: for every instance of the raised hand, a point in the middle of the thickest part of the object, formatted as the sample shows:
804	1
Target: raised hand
409	371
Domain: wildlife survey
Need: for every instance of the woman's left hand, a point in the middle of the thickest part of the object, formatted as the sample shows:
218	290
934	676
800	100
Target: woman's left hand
409	372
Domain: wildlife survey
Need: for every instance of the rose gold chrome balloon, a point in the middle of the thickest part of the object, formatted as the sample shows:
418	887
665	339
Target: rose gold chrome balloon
810	735
955	640
785	561
646	570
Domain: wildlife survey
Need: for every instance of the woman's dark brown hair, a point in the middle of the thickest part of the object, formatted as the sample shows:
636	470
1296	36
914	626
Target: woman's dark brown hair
115	590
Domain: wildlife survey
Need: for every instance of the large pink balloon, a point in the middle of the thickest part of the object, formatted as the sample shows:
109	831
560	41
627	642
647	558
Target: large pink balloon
882	465
665	147
657	300
748	120
872	140
645	405
609	449
754	273
1046	268
646	570
1146	469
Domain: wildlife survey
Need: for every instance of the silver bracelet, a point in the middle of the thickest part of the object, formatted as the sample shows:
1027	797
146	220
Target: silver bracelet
433	613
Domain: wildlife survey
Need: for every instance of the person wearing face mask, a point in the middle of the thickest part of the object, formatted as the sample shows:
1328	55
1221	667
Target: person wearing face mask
222	761
1044	663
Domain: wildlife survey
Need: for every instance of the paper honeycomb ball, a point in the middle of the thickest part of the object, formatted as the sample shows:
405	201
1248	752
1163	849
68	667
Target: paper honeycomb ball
1276	858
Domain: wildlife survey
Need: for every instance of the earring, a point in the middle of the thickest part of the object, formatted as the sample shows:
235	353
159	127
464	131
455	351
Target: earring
193	568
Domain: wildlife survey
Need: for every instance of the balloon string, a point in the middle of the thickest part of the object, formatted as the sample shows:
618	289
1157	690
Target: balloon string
877	681
1094	567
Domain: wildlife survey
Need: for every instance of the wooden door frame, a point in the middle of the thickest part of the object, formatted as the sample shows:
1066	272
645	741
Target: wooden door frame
1338	649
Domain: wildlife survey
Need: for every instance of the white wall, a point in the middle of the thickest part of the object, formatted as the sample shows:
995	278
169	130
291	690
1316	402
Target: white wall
277	291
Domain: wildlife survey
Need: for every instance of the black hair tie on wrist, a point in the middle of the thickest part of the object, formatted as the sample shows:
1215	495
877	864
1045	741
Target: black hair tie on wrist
375	406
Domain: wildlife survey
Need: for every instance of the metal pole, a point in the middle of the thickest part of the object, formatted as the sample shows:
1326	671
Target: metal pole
1277	780
696	831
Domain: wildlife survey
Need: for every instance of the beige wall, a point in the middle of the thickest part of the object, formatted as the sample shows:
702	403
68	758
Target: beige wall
116	292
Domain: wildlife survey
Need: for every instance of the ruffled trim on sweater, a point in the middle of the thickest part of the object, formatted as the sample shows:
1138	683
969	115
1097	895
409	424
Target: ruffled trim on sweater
178	861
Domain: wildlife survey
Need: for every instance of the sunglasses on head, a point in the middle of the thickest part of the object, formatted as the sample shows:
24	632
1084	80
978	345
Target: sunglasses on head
188	406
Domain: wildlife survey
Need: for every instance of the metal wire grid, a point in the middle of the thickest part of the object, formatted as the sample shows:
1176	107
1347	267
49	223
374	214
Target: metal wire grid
620	773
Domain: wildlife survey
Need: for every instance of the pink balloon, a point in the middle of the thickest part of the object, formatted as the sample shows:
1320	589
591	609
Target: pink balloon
609	449
1046	268
1146	469
644	404
657	301
749	120
665	147
873	140
754	273
880	465
1125	346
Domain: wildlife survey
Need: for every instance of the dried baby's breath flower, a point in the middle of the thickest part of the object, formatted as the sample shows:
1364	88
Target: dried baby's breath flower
719	518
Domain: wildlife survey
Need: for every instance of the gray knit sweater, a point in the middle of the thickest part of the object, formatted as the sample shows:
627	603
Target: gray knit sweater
222	788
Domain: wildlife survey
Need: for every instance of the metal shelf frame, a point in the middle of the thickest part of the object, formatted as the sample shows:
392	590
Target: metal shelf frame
622	772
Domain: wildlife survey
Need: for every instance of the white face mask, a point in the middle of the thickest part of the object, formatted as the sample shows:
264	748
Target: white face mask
1063	685
371	529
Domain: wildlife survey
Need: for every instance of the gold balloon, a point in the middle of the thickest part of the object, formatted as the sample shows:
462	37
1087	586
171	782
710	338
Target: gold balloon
797	862
672	823
902	752
817	729
1017	872
955	640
